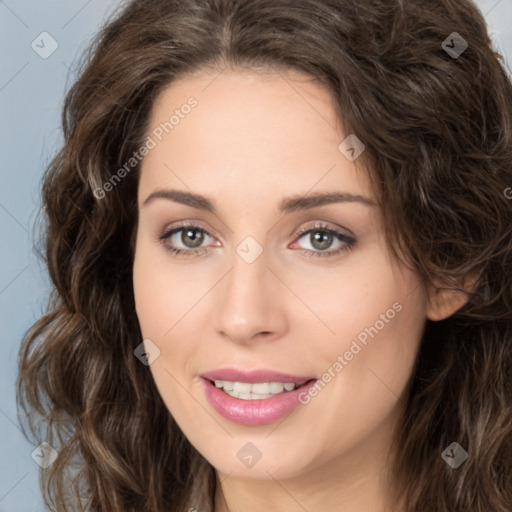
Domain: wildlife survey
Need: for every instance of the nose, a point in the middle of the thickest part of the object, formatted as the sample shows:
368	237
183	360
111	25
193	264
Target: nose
250	303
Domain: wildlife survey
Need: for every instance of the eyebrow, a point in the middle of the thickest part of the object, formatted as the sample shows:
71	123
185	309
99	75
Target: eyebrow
287	205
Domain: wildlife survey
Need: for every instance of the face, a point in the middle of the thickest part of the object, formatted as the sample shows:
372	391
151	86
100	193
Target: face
260	258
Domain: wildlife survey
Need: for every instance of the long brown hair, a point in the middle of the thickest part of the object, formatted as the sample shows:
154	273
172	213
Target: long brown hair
437	127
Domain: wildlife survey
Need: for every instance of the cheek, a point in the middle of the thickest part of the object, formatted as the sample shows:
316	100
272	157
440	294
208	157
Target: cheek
376	310
379	320
162	296
162	315
368	297
166	300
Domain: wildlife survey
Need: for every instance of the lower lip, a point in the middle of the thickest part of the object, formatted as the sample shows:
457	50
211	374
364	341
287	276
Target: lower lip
254	412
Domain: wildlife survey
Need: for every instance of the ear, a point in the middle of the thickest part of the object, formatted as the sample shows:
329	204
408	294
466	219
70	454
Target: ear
444	302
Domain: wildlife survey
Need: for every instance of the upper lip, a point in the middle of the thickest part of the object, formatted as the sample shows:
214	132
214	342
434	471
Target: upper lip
233	375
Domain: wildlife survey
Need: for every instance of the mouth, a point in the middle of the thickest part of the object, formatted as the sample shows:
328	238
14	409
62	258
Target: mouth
255	390
258	402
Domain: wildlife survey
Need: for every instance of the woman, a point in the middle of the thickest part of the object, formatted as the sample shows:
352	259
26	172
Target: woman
280	243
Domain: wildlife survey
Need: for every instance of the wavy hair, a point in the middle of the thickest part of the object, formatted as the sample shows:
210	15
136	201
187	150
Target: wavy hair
438	136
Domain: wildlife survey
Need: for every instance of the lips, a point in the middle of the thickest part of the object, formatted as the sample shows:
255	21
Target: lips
254	412
234	375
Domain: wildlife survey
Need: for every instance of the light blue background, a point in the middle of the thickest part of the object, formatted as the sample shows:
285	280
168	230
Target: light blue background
31	94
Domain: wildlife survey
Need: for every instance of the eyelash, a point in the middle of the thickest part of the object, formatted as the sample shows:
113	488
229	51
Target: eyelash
348	241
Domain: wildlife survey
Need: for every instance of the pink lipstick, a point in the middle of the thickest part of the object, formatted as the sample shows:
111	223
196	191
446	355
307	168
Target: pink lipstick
254	398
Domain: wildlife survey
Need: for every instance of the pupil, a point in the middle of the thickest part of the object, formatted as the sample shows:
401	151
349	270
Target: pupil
196	240
321	240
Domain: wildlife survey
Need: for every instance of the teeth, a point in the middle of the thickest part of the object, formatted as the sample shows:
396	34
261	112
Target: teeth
258	390
241	387
248	396
276	387
262	388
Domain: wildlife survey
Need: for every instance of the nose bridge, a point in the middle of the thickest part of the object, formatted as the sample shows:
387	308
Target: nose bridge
249	269
250	301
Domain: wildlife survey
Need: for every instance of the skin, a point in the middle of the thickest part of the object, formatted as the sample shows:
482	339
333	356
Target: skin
255	138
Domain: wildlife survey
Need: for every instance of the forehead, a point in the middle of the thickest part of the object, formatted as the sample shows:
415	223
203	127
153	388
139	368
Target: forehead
251	129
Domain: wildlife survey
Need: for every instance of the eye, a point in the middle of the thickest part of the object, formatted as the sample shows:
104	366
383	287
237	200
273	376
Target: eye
190	239
321	238
185	239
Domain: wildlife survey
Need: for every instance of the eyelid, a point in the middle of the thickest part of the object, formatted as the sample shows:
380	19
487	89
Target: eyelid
327	226
188	224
